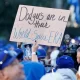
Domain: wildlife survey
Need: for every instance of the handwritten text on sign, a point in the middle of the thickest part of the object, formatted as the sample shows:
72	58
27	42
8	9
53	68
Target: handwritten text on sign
45	25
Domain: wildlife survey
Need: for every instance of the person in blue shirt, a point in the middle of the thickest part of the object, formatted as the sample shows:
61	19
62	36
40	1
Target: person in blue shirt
33	70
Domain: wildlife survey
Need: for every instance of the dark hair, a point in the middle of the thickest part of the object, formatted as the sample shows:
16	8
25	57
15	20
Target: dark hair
60	54
27	45
20	56
63	53
19	46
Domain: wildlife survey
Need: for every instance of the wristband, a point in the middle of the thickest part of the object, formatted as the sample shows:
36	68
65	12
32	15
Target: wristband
34	53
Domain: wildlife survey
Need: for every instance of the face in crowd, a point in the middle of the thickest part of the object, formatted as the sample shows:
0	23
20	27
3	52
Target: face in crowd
12	72
78	55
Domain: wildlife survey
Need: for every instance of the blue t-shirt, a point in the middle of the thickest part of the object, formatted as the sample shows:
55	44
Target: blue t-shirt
33	70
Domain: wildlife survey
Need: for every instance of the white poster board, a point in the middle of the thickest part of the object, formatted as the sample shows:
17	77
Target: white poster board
45	25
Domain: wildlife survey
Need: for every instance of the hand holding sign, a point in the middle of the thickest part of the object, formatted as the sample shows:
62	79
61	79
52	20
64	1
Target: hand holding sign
46	25
35	46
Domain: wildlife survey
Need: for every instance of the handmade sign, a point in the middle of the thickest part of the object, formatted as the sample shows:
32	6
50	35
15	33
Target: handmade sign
45	25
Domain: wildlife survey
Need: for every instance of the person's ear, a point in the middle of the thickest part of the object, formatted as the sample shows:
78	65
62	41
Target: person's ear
3	76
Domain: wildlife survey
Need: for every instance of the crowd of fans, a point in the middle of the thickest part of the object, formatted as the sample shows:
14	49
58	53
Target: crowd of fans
40	62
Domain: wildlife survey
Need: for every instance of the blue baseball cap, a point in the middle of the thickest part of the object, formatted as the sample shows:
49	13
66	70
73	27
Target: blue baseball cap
65	62
18	50
41	53
5	59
